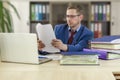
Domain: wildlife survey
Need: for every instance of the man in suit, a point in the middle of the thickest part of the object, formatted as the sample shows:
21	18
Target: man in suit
73	36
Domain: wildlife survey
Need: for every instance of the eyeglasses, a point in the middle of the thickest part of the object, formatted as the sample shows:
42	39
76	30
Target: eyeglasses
71	16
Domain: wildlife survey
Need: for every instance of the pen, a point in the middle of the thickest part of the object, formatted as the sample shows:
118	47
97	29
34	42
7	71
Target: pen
42	57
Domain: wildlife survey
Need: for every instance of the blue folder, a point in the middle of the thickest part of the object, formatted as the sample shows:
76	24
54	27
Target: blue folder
79	53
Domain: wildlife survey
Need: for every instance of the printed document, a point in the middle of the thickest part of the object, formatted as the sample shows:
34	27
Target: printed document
46	34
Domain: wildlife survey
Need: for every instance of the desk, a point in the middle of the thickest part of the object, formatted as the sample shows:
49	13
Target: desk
53	71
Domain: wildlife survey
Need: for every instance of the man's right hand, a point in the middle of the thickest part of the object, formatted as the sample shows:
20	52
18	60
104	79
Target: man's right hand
40	45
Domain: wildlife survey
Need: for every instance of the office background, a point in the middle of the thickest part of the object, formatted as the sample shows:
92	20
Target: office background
23	7
34	72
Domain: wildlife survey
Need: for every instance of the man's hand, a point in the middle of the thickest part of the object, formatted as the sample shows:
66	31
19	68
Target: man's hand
59	44
40	45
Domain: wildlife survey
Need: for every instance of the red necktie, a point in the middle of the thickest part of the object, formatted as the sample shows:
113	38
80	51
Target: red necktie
71	37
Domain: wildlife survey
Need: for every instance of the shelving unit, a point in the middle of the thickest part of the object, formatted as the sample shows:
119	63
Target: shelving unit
39	13
100	18
97	15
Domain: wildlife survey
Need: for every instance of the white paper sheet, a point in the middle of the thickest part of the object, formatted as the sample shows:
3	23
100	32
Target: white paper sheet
52	56
46	34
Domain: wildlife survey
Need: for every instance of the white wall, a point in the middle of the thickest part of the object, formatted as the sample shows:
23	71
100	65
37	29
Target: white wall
115	18
21	26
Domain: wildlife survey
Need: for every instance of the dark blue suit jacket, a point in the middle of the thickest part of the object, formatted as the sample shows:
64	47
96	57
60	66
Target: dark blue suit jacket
81	39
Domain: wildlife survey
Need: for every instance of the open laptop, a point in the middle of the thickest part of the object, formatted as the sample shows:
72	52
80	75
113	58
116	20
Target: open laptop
20	48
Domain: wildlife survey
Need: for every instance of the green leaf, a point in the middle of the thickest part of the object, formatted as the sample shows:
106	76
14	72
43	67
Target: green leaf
1	17
6	22
14	9
8	16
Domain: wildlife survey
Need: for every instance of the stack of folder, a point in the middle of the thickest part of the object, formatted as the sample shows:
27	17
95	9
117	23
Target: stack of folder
107	46
79	58
106	42
105	54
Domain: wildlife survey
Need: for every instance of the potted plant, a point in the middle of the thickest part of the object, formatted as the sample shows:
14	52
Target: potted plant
6	22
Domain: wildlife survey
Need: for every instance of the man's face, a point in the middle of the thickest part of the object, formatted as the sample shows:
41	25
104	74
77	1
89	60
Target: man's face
73	18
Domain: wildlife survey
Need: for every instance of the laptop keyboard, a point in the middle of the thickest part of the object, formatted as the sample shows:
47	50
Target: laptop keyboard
43	60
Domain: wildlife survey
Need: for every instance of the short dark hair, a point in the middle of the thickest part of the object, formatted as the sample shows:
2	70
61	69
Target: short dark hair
77	7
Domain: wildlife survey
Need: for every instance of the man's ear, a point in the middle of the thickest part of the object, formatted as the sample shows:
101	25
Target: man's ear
81	17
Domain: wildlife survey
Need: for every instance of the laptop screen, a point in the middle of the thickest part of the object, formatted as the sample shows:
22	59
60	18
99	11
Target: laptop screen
19	47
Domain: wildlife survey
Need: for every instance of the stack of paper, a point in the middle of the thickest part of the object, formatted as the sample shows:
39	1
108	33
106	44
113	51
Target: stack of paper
46	34
79	58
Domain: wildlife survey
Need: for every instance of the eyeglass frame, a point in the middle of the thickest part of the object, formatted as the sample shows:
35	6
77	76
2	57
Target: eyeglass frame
71	16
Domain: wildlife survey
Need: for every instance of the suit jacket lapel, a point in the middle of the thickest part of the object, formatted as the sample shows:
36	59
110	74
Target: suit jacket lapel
66	35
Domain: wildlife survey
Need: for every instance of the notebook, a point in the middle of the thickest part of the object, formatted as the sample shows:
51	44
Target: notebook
20	48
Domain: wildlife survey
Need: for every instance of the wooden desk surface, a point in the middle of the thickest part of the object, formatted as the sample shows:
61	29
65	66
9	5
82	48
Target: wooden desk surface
53	71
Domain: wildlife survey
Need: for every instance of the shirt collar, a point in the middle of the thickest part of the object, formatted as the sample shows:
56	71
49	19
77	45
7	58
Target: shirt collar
76	30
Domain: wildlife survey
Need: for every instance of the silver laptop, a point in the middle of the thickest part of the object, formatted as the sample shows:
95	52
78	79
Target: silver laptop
19	48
